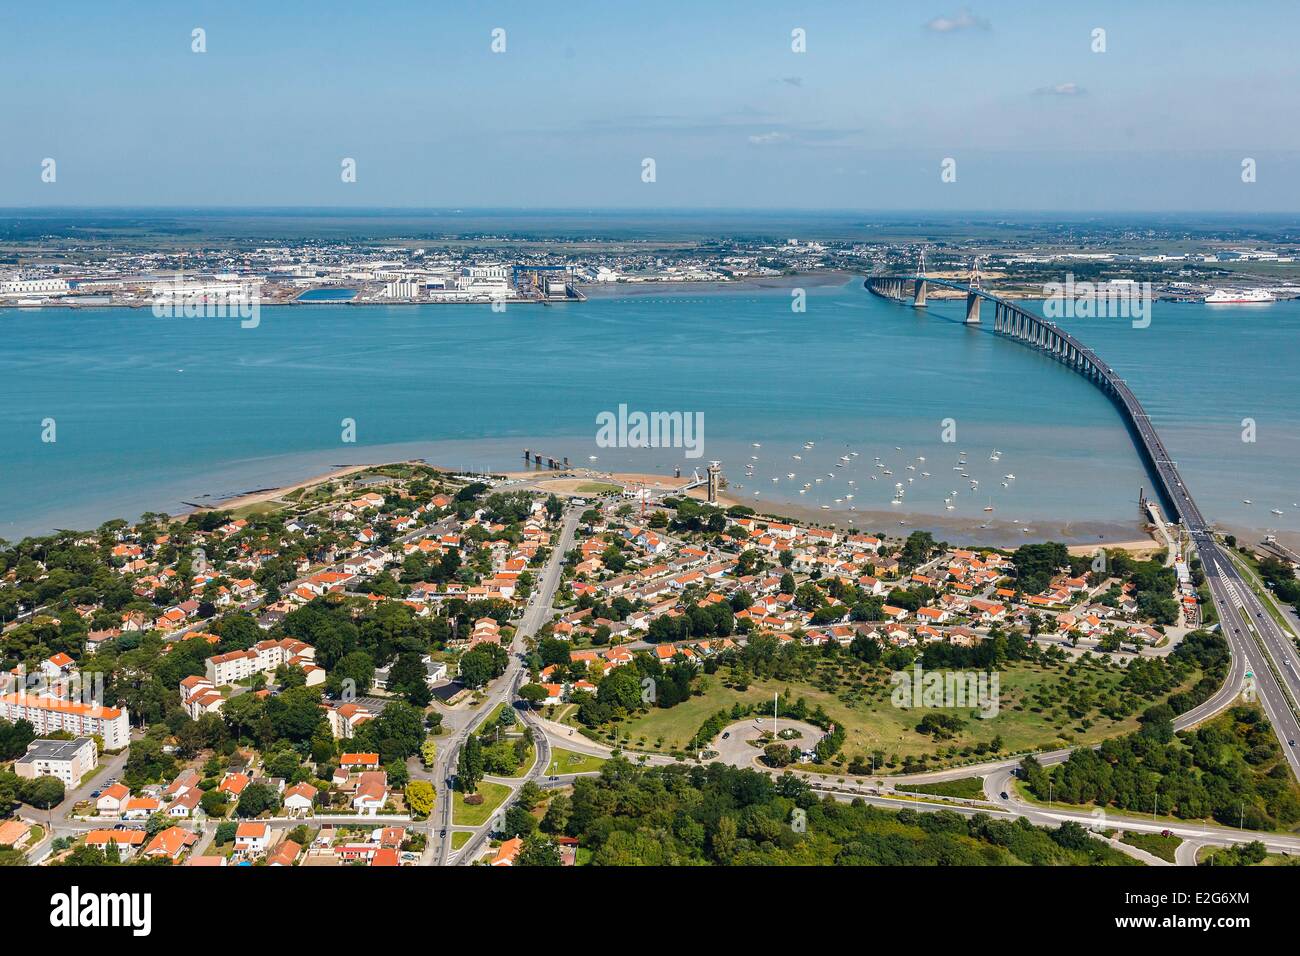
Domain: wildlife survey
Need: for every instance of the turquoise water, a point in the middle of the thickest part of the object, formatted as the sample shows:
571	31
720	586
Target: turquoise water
328	295
152	413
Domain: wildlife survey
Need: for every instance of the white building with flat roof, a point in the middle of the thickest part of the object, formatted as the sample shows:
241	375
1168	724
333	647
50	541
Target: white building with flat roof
69	760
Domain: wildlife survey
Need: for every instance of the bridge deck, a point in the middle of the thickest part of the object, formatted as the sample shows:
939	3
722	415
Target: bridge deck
1044	335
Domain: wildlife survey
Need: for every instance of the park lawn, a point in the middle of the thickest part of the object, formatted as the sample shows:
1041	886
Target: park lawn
871	722
459	838
467	815
969	787
677	725
597	488
1155	844
257	508
570	761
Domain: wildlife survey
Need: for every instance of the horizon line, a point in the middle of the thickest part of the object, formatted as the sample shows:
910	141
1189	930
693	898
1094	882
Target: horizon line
665	210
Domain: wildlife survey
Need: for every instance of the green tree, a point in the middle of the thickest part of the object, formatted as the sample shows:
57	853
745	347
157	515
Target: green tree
538	851
256	799
470	766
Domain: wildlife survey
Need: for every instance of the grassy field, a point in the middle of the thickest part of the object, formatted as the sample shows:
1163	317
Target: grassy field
1155	844
459	838
257	508
969	787
1034	703
468	815
597	488
569	761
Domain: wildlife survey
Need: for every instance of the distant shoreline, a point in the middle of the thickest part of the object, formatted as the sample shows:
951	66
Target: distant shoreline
602	290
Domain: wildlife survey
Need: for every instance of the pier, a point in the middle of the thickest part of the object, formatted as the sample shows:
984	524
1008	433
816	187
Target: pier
551	461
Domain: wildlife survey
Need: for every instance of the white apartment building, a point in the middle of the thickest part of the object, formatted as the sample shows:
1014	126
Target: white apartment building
262	658
69	760
48	714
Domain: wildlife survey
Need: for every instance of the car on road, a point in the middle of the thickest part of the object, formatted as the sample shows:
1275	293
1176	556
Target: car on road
1003	795
1290	743
726	734
94	794
1165	833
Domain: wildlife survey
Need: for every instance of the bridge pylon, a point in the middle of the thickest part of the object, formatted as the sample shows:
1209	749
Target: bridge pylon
973	297
919	289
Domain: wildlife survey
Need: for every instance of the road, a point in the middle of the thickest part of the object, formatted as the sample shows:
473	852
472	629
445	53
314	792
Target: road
439	850
1243	616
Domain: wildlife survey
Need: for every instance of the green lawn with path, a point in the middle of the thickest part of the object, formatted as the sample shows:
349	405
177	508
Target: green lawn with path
872	723
459	838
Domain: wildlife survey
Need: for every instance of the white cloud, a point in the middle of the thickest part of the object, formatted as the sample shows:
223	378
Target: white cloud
963	20
1061	89
765	139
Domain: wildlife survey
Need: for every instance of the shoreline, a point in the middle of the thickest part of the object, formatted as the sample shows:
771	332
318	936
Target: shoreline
998	533
1080	537
271	494
603	290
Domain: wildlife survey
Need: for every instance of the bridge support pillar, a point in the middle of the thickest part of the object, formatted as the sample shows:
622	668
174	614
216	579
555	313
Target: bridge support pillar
972	309
918	294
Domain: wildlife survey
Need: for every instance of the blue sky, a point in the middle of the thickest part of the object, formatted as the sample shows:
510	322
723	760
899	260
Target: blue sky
709	89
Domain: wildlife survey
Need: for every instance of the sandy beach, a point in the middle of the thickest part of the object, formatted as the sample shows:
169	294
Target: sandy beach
271	494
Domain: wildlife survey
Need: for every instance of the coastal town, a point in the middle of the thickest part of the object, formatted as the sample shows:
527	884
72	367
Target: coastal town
49	270
400	666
